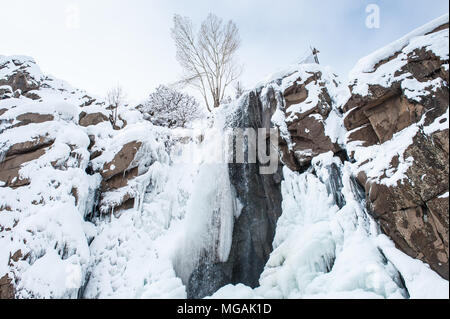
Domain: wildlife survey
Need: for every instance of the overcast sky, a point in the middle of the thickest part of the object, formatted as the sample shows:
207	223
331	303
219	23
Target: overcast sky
95	44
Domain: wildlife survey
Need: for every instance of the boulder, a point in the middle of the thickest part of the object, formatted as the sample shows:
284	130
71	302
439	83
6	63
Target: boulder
121	161
10	167
27	118
20	80
6	288
116	176
88	119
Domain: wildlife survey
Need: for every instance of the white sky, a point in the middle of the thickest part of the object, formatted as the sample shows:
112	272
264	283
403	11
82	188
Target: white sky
129	42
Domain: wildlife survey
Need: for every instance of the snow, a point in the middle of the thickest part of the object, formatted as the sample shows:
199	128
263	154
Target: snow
239	291
441	123
315	240
334	127
279	120
52	277
127	265
44	220
366	64
185	206
326	244
364	74
444	195
376	159
414	89
421	281
57	243
11	64
60	110
298	74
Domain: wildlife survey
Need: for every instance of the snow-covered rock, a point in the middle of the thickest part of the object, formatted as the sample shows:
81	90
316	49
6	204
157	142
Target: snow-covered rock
139	211
45	193
59	156
392	124
303	100
397	122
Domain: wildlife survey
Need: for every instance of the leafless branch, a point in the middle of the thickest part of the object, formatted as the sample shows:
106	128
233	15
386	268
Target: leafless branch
208	58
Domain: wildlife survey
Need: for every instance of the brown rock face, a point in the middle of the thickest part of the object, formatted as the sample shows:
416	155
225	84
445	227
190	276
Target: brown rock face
364	134
392	116
310	140
91	119
421	234
28	118
19	154
411	213
381	114
29	146
9	169
307	130
20	81
116	175
119	180
121	161
6	288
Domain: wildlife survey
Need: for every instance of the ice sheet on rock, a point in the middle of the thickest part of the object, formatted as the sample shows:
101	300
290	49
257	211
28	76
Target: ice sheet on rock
211	208
131	255
126	263
183	205
420	280
323	251
210	215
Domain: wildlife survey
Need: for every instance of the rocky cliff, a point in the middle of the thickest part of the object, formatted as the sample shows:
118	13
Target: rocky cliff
398	114
390	125
357	208
395	116
62	165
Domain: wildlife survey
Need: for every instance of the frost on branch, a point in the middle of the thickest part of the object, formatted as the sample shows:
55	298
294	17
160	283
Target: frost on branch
170	108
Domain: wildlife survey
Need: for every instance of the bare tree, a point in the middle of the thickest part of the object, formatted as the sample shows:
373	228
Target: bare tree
208	58
115	98
170	108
